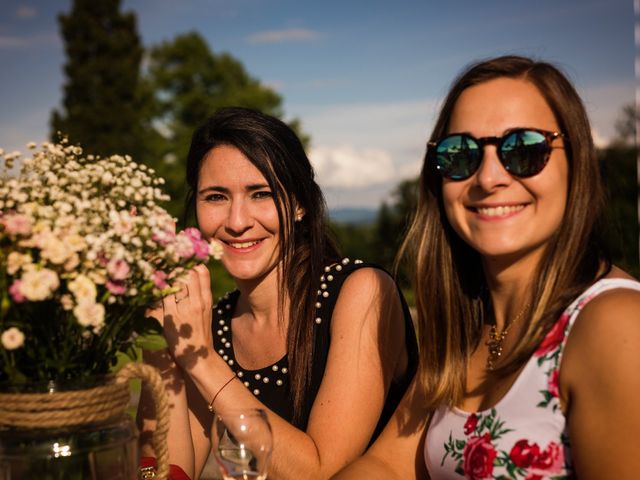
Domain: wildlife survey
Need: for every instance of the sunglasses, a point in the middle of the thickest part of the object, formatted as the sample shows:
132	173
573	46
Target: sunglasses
523	152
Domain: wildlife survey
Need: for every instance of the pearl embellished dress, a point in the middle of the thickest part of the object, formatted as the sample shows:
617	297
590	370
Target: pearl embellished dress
271	383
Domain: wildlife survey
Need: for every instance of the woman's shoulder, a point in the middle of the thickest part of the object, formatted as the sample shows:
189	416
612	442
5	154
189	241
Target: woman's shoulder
607	329
362	278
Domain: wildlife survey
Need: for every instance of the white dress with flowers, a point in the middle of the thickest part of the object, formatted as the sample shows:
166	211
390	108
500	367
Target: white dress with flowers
524	436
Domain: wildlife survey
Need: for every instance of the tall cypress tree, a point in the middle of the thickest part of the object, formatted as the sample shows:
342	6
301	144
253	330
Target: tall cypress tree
101	96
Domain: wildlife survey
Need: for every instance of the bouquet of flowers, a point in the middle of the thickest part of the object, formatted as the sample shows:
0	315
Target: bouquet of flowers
85	247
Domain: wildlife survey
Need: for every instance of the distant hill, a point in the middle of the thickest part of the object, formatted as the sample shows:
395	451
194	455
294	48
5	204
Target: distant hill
353	215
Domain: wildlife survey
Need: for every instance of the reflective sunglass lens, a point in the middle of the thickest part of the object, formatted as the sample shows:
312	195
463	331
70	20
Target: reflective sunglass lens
524	152
458	156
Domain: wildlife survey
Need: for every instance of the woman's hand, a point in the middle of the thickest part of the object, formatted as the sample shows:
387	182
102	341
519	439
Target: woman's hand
186	319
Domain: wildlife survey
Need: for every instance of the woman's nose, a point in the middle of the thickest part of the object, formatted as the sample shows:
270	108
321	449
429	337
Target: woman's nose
491	174
239	218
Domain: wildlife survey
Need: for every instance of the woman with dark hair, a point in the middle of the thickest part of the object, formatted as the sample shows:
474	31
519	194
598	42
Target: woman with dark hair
324	343
529	336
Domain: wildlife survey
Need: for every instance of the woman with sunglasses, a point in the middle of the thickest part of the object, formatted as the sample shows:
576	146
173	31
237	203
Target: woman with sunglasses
325	344
529	336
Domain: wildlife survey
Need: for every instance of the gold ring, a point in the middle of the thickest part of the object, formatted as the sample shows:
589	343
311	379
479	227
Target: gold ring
185	294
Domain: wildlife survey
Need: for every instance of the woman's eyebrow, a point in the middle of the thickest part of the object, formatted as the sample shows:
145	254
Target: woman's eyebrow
218	188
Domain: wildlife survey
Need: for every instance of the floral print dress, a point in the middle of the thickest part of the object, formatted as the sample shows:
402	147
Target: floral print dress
524	436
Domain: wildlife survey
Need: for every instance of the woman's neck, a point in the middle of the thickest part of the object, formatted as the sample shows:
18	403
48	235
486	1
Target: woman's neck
509	286
260	299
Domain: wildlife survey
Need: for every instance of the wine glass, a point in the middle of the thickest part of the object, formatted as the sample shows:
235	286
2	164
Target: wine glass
242	442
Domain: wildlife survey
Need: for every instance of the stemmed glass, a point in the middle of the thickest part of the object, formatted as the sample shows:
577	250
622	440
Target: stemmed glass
242	442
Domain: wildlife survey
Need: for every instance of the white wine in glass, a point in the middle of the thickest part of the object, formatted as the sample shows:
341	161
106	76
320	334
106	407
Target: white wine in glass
242	442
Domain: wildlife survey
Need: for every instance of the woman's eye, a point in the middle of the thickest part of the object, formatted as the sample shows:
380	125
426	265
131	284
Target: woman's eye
214	197
262	194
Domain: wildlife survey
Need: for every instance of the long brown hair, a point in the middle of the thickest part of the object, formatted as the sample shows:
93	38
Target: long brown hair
451	292
306	245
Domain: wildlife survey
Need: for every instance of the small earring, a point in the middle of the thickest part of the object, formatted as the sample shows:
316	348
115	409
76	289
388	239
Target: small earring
298	217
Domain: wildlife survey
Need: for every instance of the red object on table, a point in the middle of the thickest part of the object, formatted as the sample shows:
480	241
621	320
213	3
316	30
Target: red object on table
175	472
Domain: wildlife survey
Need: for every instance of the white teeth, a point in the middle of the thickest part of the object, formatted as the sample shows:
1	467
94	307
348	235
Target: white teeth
499	211
243	244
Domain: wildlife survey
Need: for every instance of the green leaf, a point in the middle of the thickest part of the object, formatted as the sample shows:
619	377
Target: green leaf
460	444
144	325
151	342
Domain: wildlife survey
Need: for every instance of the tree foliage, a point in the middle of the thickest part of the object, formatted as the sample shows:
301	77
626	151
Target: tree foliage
101	107
187	82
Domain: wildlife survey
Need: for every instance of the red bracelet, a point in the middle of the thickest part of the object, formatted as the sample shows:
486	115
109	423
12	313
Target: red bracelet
210	407
148	467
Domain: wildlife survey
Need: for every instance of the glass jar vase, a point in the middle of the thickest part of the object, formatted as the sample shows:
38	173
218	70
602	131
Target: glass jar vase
106	448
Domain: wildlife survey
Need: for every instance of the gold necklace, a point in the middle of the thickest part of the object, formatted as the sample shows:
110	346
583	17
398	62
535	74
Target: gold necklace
496	338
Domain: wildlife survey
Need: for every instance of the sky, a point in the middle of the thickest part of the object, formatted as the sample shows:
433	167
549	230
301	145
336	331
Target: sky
365	77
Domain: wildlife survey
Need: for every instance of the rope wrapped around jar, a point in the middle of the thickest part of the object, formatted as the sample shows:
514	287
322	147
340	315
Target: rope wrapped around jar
92	405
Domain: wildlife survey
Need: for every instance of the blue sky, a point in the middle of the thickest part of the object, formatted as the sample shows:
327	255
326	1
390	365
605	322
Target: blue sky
365	77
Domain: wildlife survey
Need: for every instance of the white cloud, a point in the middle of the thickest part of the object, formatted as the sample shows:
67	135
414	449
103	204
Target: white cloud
8	42
26	11
282	36
12	42
362	151
347	167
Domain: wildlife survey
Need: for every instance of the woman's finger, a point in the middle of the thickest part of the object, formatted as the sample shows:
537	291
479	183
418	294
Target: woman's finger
204	284
156	310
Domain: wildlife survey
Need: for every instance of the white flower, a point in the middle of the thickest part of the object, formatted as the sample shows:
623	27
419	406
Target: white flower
89	314
75	242
66	301
38	285
215	250
12	338
16	260
54	249
83	289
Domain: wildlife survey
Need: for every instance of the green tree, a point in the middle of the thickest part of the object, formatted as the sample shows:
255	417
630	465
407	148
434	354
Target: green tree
188	82
101	103
620	163
626	125
619	172
379	241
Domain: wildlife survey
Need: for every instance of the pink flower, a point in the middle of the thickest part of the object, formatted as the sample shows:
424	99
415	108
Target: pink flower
184	246
200	246
553	383
554	336
550	460
118	269
116	287
163	237
16	294
470	424
16	224
159	279
479	455
524	454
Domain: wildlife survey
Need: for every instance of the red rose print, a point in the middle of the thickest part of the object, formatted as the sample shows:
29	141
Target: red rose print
553	383
534	476
524	454
551	459
470	424
553	337
479	455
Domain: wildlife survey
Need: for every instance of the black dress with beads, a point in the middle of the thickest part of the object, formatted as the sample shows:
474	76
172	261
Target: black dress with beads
271	384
